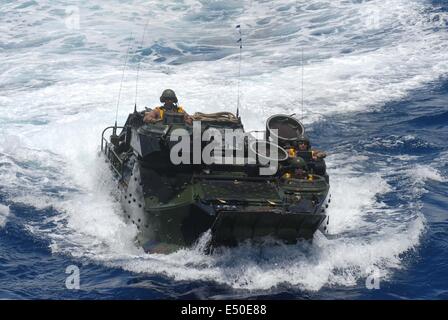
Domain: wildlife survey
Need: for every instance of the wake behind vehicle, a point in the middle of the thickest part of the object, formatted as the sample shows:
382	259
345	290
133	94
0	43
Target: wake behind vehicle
248	189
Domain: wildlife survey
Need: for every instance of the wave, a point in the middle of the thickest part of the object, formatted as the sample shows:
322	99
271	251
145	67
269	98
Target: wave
61	92
438	120
4	213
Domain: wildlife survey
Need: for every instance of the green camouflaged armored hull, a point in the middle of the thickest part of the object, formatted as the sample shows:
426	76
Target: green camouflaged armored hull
172	205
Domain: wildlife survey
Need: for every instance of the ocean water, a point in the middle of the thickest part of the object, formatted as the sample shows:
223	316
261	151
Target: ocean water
375	92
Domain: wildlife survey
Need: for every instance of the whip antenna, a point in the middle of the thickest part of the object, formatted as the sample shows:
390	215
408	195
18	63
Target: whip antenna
240	41
302	82
138	67
122	79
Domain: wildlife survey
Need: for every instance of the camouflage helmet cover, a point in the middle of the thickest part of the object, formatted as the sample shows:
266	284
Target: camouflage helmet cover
168	94
298	163
304	139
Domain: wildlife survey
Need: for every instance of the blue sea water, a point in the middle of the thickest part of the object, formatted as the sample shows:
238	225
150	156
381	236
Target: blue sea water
375	98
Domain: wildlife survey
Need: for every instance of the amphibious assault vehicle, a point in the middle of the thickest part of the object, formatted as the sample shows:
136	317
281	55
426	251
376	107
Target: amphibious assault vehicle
247	189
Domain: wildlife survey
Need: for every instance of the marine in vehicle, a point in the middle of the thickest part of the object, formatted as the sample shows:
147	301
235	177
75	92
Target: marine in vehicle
247	189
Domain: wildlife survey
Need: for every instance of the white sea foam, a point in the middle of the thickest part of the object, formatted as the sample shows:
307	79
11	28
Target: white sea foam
60	88
364	232
422	173
4	213
91	227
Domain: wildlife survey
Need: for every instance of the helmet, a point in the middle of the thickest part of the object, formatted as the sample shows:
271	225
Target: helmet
297	163
168	94
304	139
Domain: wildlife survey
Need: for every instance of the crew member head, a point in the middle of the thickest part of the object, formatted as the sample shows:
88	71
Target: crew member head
297	163
297	168
169	99
303	144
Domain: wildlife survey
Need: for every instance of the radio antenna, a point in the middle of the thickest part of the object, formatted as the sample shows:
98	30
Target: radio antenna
302	81
122	79
138	67
240	41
